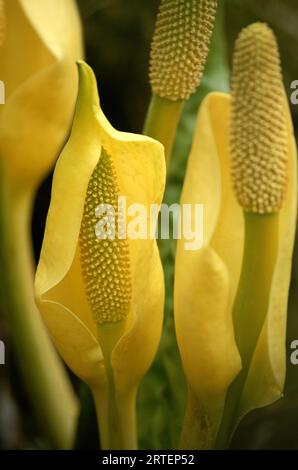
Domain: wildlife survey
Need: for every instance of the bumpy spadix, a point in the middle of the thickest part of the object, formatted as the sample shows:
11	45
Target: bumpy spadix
180	46
105	262
258	125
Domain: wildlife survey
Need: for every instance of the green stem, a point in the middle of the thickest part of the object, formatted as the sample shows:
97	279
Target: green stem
250	307
45	379
116	411
162	121
198	430
116	416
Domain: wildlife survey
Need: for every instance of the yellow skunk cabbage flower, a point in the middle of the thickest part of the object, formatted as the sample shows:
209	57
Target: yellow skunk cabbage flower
231	319
206	283
102	300
203	307
259	148
40	42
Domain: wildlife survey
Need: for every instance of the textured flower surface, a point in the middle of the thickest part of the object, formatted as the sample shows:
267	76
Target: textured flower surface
206	283
40	42
85	286
180	46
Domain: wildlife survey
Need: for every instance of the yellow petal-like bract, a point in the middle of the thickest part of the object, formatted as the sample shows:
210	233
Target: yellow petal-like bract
81	281
206	282
40	43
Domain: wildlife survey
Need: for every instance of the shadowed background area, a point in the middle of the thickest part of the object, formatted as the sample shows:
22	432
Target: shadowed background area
117	40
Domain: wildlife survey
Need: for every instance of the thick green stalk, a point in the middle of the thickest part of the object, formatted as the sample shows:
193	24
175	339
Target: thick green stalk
116	411
250	307
116	415
162	121
45	379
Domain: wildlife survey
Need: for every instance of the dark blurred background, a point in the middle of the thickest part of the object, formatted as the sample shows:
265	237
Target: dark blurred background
117	41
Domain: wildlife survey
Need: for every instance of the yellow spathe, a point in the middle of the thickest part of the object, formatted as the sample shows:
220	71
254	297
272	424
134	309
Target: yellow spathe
206	281
59	286
41	42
